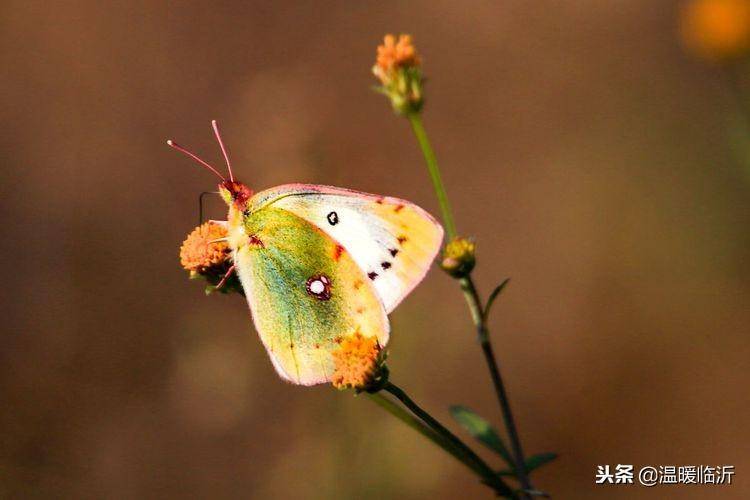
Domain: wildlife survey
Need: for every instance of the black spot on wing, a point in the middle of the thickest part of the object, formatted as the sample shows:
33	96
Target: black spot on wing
385	265
393	251
372	275
333	218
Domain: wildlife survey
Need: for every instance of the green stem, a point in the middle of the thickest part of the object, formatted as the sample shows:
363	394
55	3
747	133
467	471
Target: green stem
437	180
417	425
474	302
478	317
468	456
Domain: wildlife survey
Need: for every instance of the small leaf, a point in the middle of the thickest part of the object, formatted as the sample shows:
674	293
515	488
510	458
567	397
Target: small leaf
537	461
533	462
481	430
493	296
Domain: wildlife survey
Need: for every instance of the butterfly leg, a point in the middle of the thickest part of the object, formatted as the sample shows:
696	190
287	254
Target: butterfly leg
226	277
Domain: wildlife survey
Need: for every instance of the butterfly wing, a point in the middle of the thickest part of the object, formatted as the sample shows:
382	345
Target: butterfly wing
393	241
306	294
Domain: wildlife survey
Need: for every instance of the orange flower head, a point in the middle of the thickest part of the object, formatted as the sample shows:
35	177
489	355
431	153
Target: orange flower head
357	362
716	30
397	66
198	254
396	54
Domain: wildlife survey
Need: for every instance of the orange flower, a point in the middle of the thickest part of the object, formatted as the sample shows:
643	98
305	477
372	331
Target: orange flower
716	29
397	66
393	54
198	254
357	362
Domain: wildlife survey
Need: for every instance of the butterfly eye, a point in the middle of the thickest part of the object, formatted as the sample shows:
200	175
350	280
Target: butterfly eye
319	287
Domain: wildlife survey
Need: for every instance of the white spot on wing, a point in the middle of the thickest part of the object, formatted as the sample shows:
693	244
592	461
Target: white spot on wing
317	287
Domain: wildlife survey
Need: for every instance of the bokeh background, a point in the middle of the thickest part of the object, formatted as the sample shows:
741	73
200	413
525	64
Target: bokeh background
600	166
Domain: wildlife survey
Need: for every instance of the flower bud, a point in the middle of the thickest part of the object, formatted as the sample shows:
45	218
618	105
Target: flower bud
459	257
398	68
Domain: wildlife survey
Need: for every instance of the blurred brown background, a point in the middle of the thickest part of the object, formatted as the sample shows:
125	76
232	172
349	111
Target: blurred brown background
592	158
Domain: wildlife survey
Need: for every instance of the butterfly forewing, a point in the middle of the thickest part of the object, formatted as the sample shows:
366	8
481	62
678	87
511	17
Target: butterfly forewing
393	241
306	293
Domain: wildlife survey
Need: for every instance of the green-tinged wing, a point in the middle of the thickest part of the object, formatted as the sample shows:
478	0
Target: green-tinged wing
306	294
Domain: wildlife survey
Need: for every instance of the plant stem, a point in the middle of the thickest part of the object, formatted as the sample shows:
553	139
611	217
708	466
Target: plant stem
467	455
417	425
474	302
437	180
477	315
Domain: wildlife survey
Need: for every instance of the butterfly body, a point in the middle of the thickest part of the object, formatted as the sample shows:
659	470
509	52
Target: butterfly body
319	264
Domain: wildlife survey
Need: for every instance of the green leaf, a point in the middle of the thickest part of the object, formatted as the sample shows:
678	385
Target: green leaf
481	430
493	296
533	462
537	461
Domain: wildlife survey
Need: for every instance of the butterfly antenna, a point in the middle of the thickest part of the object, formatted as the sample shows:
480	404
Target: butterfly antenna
223	149
179	148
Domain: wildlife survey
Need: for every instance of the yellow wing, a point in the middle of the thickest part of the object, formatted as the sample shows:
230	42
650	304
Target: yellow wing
305	292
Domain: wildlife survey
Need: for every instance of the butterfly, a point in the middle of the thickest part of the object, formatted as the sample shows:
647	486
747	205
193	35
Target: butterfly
320	263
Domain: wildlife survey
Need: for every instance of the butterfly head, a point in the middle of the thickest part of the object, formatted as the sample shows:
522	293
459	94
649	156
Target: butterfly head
235	194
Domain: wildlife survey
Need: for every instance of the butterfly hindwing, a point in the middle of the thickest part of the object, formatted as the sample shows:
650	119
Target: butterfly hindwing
393	241
306	293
